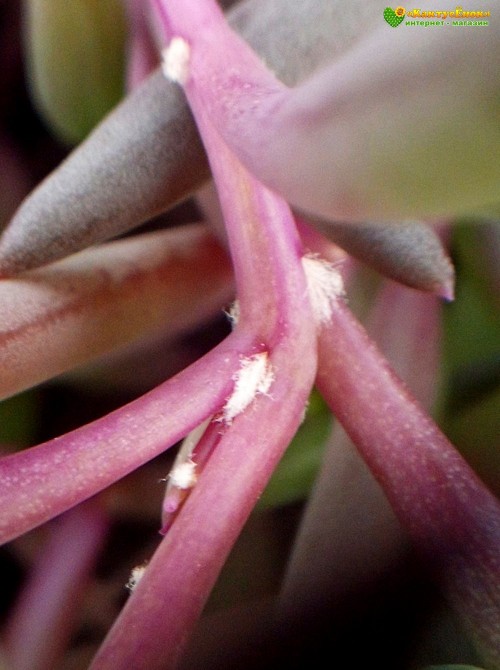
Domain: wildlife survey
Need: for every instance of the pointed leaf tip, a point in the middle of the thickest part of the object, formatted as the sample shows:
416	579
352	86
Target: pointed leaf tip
143	158
409	252
146	155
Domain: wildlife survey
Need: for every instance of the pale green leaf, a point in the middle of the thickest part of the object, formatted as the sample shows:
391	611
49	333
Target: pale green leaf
75	60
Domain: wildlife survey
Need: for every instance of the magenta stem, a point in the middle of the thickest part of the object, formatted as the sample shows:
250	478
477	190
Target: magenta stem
45	614
450	514
41	482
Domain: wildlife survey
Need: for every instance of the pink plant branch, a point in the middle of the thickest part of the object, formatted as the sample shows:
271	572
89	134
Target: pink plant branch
248	118
406	325
162	611
349	535
274	304
44	616
142	57
451	516
41	482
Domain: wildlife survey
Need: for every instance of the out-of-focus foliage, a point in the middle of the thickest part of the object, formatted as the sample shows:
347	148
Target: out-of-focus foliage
75	62
472	360
19	417
295	474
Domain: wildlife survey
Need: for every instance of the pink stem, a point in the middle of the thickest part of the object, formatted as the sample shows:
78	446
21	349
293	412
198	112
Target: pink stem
44	616
142	57
450	514
349	535
159	617
406	324
265	248
39	483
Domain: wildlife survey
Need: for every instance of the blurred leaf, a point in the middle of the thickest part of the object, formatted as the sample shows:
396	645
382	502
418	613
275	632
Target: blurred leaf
471	411
472	322
75	56
106	297
297	470
19	419
452	667
475	431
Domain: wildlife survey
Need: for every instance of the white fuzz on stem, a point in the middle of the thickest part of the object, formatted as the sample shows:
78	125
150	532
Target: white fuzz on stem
183	472
135	576
175	58
325	284
183	476
254	377
233	314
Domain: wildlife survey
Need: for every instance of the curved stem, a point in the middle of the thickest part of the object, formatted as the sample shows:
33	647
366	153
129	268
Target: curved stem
450	514
265	248
41	482
43	618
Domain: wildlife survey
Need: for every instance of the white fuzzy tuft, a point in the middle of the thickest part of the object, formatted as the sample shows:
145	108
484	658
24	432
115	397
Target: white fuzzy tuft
324	283
183	476
135	577
233	313
254	377
175	63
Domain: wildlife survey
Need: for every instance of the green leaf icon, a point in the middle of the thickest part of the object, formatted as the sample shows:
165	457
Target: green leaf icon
392	18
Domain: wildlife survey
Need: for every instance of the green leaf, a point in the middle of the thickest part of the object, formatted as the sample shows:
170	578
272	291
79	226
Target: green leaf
474	429
472	326
19	418
75	60
452	667
471	407
296	472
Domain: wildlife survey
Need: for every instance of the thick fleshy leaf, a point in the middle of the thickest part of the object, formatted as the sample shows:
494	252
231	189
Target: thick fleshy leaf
72	311
146	155
409	252
373	143
359	140
75	61
295	39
